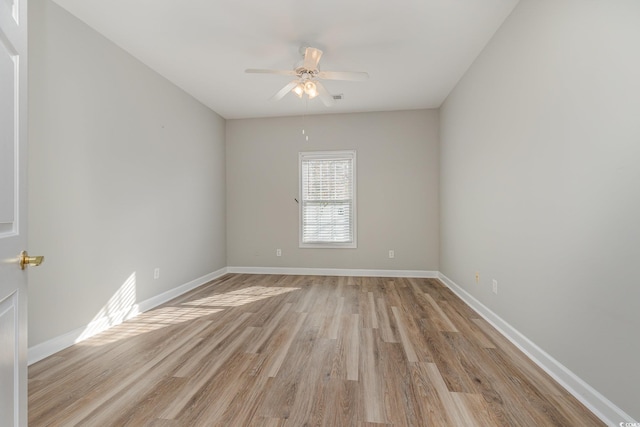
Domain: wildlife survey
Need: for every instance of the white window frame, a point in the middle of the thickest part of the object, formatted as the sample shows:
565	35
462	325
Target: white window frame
328	155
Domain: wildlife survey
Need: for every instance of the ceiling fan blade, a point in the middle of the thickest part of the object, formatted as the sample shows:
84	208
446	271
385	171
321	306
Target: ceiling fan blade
311	58
343	75
324	95
263	71
282	92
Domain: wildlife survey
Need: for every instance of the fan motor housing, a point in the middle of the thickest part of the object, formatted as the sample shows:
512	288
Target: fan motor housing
305	74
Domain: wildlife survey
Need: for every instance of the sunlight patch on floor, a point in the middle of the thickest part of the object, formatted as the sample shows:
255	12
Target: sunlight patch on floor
240	297
168	315
149	322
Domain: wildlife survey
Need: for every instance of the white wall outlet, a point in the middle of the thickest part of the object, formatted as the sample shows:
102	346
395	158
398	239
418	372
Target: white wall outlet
156	273
495	286
278	252
392	253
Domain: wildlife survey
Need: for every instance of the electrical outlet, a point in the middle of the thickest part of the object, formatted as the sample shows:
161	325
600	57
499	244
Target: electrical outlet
477	277
156	273
392	253
278	252
495	286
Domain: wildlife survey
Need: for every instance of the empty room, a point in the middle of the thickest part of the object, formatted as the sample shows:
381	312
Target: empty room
338	213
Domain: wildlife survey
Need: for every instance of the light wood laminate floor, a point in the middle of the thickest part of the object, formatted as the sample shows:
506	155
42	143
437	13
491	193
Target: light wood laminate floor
269	350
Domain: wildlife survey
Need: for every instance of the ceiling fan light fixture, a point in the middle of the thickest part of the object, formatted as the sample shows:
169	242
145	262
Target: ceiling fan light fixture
298	90
310	89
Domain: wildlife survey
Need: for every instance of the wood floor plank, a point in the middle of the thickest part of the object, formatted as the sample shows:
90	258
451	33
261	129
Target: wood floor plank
372	390
447	359
283	387
431	407
401	405
486	378
353	348
404	336
242	409
91	403
281	350
341	406
160	423
309	401
469	330
267	329
514	356
268	422
334	321
472	409
194	361
311	291
214	400
371	309
455	409
573	410
387	332
203	376
439	317
144	411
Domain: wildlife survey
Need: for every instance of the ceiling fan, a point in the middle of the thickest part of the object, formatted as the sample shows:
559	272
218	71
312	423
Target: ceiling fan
308	76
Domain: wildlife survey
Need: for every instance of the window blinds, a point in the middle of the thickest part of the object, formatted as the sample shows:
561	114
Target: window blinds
327	193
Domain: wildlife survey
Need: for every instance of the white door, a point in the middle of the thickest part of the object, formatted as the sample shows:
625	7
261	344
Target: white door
13	215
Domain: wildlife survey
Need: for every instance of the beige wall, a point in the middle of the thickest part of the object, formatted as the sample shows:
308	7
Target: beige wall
540	185
397	189
126	174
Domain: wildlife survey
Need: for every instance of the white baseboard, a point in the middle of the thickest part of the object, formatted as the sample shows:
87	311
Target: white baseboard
334	272
54	345
590	397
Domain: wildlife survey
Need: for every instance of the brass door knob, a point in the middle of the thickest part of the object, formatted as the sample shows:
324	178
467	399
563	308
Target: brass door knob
26	260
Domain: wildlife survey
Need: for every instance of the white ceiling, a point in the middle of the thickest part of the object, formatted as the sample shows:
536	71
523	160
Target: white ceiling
415	51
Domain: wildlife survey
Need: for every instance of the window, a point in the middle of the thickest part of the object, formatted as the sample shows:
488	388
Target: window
327	199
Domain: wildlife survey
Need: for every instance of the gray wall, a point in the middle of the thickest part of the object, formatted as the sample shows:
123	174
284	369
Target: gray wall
126	174
397	189
540	185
